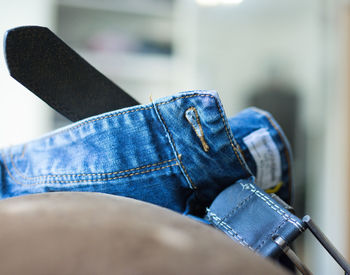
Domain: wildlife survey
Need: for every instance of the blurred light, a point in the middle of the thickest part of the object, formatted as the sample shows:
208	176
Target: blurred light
218	2
208	2
233	2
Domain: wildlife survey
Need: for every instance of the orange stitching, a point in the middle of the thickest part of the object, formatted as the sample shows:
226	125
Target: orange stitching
97	119
201	137
241	151
162	103
118	114
193	186
226	129
285	152
223	120
84	174
87	181
186	96
229	137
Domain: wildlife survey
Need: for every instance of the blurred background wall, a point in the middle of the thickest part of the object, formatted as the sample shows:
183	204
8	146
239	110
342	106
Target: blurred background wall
290	57
22	116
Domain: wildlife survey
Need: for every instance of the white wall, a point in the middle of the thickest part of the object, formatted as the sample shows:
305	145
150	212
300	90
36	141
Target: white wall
235	46
22	115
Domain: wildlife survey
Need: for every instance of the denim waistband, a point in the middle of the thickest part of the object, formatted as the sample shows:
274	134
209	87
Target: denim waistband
170	152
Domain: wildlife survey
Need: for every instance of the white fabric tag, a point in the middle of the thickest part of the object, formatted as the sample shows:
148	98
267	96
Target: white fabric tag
267	158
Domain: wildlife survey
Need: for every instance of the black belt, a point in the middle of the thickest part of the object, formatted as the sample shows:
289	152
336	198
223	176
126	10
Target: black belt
48	67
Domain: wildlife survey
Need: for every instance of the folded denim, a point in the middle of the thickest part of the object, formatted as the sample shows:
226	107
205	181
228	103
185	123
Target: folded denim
178	152
150	152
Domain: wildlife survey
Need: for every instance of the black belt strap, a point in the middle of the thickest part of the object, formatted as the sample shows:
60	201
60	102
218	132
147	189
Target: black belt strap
48	67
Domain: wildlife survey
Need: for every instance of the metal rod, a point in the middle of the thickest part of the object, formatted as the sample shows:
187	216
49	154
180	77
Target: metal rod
297	262
292	256
326	243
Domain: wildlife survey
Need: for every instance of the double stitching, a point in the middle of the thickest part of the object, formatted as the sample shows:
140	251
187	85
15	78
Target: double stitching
192	185
86	174
235	148
119	114
74	182
97	119
232	143
274	206
228	229
95	181
239	206
269	236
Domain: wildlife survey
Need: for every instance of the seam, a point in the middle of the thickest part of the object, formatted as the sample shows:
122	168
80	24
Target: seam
67	183
274	206
163	103
224	122
97	119
241	151
84	174
98	180
192	185
119	114
239	206
201	136
234	147
241	161
288	157
269	236
185	96
286	153
228	229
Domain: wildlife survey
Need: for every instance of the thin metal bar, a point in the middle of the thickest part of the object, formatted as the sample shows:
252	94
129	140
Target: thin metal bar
326	243
292	256
297	262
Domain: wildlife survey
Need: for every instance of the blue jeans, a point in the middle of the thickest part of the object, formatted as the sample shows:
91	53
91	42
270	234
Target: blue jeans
178	152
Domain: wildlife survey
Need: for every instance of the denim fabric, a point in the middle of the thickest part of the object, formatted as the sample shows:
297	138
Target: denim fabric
179	152
252	218
252	120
